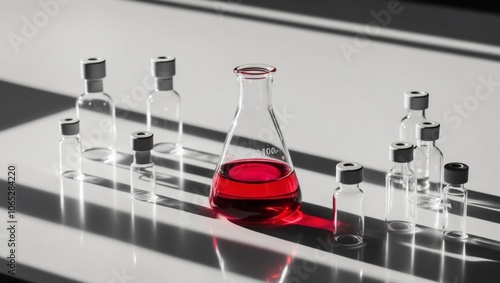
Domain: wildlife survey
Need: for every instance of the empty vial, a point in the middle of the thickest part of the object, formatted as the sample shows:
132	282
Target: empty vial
415	102
400	182
70	158
142	170
427	165
96	112
455	200
164	116
348	205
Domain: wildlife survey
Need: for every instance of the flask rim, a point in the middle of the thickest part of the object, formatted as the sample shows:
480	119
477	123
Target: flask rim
255	70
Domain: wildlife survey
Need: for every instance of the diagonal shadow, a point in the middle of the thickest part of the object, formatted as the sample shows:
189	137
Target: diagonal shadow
401	253
167	239
483	206
25	274
306	234
330	9
35	103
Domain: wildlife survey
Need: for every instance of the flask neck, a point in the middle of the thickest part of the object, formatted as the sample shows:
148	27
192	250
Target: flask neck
255	93
142	157
93	86
164	84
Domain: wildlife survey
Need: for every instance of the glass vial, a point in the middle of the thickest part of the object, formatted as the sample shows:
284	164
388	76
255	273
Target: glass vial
455	200
348	205
164	116
142	170
96	112
427	165
70	158
415	102
255	180
400	182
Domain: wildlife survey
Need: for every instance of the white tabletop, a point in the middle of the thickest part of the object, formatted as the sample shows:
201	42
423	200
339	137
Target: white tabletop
332	109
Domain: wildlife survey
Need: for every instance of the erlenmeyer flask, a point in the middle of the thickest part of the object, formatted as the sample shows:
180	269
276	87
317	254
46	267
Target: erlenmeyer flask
254	180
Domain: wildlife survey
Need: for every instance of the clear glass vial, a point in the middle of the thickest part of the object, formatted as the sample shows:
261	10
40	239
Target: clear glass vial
455	200
164	103
427	165
70	158
96	112
415	102
400	182
348	205
255	180
142	170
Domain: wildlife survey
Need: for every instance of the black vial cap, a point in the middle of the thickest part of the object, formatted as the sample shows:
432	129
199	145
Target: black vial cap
456	173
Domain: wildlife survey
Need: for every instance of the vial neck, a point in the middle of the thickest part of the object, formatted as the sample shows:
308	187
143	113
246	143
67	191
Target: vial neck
416	113
142	157
429	144
92	86
349	186
164	83
255	93
70	137
401	167
460	187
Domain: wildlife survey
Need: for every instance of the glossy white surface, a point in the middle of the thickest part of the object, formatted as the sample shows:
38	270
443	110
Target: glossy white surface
315	83
73	240
92	231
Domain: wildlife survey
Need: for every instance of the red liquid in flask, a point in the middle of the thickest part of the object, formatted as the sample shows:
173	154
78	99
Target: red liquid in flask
255	190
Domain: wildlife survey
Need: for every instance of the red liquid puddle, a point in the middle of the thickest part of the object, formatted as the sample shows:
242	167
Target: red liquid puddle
255	190
315	222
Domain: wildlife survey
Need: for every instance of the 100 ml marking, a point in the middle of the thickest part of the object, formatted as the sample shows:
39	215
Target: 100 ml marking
12	221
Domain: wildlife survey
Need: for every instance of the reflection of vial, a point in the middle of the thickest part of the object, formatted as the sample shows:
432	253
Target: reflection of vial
455	200
96	111
415	102
348	205
400	182
427	165
142	170
70	158
163	117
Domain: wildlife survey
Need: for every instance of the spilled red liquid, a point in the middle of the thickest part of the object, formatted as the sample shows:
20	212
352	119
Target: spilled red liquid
255	190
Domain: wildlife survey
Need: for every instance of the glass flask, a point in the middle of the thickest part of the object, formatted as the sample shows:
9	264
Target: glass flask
96	112
400	182
415	102
348	205
427	165
164	116
142	170
70	150
455	200
255	180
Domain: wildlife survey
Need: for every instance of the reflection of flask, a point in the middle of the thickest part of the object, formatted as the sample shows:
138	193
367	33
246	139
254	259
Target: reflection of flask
455	200
70	149
427	165
96	112
400	182
416	102
348	205
142	170
255	179
164	118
